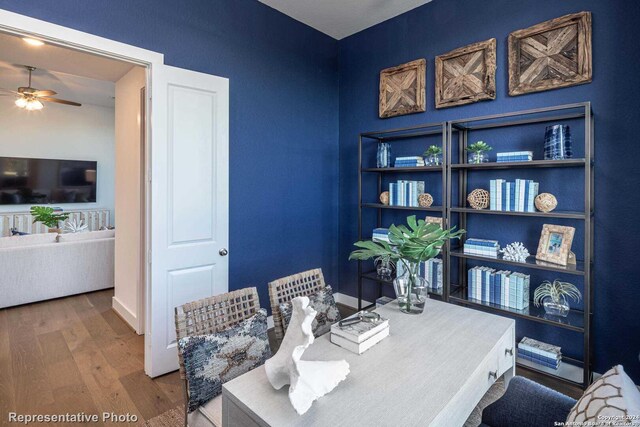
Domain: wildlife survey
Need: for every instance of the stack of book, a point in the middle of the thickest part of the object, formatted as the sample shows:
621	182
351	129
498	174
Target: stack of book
405	193
540	352
515	156
518	196
409	162
488	248
430	270
381	234
361	336
502	287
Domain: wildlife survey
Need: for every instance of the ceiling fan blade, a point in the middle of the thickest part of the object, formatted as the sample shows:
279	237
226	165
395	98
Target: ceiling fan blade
59	101
10	91
44	93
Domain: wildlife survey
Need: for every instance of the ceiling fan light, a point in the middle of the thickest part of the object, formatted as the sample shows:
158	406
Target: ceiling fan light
34	105
33	42
21	102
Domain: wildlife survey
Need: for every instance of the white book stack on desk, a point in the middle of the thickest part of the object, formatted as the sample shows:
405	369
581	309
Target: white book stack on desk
361	336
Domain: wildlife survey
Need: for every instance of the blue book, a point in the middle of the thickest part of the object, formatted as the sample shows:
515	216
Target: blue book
512	194
470	290
503	192
527	186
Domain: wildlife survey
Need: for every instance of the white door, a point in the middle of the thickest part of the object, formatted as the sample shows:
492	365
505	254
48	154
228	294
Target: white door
189	202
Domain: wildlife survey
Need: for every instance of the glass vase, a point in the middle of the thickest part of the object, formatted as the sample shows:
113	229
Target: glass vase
557	307
383	158
433	160
478	157
557	142
411	289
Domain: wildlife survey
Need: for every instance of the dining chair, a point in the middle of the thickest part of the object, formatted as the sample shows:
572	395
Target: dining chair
210	316
287	288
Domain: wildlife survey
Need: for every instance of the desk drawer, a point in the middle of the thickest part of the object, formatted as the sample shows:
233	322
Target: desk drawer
506	350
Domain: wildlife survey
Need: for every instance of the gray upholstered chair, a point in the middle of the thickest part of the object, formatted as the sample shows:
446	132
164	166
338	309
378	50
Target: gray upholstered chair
287	288
527	404
209	316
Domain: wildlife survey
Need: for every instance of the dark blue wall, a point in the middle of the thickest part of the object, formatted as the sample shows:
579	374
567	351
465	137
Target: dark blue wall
284	149
284	117
443	25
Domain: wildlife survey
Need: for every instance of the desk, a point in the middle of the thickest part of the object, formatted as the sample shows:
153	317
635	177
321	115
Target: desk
433	369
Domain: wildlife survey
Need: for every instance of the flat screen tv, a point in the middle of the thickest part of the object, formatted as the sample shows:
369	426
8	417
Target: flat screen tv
46	181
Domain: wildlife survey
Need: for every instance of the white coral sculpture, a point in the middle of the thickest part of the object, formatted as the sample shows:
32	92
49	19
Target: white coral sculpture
515	252
74	226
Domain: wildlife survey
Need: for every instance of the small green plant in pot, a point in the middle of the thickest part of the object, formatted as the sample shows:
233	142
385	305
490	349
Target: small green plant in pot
433	156
48	217
408	246
478	152
553	297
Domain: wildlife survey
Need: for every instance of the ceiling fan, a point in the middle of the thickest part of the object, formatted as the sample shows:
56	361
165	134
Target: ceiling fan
30	98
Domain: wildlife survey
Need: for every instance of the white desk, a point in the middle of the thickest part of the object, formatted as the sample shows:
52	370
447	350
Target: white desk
433	369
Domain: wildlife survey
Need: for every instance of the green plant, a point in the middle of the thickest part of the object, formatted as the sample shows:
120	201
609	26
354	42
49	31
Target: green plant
557	291
411	245
47	216
432	151
479	147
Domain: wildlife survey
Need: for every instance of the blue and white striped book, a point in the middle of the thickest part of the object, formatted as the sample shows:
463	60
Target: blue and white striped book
541	348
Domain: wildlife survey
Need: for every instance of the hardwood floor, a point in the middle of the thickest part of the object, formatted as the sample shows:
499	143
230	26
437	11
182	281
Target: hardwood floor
76	355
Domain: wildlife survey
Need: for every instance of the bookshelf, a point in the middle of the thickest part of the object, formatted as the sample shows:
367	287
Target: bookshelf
368	203
460	177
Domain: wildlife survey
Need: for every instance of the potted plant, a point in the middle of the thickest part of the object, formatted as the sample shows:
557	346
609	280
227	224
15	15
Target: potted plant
410	246
478	152
48	217
433	156
553	297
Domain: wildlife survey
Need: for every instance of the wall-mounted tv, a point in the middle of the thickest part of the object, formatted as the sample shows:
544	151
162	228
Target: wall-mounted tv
46	181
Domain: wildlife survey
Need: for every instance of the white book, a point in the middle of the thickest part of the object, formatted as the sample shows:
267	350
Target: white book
361	347
478	289
361	331
523	202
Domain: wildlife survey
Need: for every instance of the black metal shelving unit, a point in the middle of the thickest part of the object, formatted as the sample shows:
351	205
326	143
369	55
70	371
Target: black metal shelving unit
572	371
398	135
455	133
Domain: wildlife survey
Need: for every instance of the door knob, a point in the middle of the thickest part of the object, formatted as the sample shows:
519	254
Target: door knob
223	252
508	351
493	374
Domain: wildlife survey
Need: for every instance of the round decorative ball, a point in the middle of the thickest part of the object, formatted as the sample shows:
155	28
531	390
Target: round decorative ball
546	202
425	200
384	197
479	199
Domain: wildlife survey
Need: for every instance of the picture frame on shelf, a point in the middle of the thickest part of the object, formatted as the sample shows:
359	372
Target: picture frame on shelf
555	244
402	89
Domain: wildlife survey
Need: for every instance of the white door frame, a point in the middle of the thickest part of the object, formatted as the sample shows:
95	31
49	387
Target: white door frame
25	26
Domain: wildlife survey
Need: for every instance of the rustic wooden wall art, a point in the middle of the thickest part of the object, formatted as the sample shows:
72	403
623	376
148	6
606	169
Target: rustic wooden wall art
551	55
466	75
402	89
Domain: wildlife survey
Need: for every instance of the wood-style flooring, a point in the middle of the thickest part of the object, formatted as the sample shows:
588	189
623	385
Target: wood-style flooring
75	354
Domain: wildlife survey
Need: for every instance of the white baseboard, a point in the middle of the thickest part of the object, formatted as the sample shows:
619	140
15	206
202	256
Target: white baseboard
348	300
125	313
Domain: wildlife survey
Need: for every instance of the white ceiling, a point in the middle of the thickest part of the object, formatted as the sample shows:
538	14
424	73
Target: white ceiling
72	88
342	18
14	50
